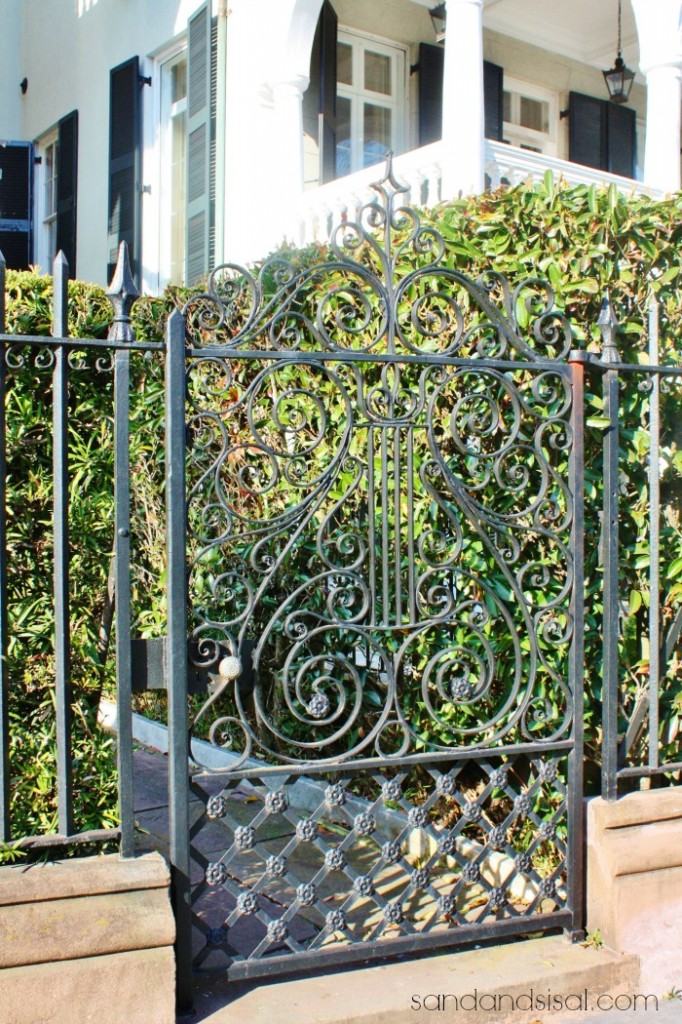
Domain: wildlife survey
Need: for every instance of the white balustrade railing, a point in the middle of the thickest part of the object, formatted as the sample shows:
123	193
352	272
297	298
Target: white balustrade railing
509	165
324	208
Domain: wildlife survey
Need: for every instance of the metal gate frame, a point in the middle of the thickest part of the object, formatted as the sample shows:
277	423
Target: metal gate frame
569	366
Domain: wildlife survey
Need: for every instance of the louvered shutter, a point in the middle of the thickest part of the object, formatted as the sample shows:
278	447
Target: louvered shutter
16	176
67	187
125	192
430	93
431	59
587	131
622	140
493	100
198	145
329	30
319	99
601	134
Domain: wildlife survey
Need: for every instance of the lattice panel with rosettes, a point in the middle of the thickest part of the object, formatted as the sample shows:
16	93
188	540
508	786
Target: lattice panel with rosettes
309	864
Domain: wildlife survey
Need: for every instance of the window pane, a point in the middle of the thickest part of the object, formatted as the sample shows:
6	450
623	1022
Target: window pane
179	81
343	152
50	157
534	114
378	72
377	131
344	63
177	198
52	239
507	106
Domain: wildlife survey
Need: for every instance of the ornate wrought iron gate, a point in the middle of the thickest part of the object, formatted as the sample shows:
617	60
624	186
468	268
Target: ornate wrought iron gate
381	507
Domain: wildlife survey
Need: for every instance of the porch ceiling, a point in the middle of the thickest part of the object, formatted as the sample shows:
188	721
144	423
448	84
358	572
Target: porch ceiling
585	30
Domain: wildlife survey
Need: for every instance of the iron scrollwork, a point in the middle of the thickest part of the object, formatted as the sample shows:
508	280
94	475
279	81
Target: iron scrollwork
378	499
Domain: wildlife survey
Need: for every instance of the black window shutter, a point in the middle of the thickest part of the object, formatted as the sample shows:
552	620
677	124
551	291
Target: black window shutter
67	187
493	100
622	140
16	181
198	229
431	95
324	51
601	134
125	193
587	131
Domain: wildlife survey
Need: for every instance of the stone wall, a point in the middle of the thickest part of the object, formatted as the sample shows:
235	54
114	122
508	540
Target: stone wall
87	940
634	881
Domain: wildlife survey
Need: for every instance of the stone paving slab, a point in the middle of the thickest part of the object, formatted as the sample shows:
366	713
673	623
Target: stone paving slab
397	992
150	780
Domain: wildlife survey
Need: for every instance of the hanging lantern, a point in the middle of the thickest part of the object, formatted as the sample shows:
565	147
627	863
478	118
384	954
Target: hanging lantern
619	78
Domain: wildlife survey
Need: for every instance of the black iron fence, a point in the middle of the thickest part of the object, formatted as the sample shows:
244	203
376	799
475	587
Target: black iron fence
640	550
341	579
39	611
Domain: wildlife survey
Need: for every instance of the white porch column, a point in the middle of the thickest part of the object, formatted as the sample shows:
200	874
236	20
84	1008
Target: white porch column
463	110
660	46
287	155
268	63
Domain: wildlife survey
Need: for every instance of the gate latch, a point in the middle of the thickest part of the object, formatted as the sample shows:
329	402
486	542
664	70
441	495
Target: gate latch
149	666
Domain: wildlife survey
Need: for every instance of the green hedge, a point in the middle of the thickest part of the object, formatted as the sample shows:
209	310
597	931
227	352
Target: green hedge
30	549
584	240
588	241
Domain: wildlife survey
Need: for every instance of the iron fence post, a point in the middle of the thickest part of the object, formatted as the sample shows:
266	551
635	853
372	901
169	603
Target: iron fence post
654	534
122	295
608	326
60	452
575	853
5	829
176	667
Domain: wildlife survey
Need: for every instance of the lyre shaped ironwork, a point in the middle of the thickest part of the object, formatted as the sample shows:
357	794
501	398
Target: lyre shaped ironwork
376	419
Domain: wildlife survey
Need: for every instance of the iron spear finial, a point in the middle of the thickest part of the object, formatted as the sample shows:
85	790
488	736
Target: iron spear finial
608	325
122	295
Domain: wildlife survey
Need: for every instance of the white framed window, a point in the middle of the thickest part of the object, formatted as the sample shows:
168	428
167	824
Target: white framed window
47	148
531	115
176	161
370	101
173	167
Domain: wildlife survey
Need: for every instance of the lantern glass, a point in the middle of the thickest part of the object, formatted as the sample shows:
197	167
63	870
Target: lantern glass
438	15
619	81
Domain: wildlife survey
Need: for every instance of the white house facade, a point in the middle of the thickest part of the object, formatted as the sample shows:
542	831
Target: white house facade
206	130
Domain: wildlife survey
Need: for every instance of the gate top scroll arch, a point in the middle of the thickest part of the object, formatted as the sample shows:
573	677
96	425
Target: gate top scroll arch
385	288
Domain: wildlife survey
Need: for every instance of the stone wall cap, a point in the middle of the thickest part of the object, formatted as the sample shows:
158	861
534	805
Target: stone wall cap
636	808
81	876
68	929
